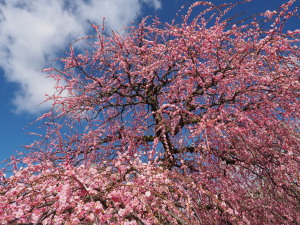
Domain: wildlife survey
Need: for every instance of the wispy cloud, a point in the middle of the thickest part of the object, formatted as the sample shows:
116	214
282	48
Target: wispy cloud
35	31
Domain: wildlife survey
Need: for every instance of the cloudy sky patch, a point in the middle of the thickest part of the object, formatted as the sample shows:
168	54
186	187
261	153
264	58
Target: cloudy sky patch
36	31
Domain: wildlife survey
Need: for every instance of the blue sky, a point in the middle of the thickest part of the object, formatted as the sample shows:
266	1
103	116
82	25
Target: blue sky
32	32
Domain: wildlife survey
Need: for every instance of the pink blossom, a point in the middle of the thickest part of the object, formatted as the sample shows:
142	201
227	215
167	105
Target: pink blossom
193	122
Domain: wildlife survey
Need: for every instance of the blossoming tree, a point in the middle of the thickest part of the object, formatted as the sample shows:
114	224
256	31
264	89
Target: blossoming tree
192	122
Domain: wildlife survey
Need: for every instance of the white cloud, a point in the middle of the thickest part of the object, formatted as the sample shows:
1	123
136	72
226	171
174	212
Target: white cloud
35	31
155	3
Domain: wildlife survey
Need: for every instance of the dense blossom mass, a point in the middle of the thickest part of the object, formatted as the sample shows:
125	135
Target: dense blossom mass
190	122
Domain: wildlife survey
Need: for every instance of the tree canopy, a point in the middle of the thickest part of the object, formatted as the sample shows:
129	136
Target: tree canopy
190	122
